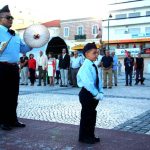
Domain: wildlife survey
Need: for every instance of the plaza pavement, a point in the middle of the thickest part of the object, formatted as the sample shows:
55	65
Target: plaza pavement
123	108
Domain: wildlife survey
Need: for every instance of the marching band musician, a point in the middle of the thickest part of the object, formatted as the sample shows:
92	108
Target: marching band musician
9	71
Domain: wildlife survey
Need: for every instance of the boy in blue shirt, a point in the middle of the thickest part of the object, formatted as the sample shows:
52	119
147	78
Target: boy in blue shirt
88	79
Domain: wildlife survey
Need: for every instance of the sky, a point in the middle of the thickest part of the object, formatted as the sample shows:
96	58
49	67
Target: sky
59	9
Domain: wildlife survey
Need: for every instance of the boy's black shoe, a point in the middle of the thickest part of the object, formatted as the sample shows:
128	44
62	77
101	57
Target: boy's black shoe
18	124
88	141
39	85
97	139
115	84
110	87
105	87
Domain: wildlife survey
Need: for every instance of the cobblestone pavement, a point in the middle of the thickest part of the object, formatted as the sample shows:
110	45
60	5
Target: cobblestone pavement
124	108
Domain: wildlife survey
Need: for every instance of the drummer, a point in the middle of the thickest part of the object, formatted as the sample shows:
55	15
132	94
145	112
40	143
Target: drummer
9	71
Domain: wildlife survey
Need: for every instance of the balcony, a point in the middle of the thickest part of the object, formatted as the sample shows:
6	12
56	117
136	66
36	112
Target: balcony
80	37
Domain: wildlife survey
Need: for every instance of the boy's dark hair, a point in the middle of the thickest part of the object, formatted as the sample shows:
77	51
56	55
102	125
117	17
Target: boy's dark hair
88	47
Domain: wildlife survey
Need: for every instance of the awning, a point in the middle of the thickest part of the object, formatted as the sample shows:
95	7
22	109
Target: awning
128	41
81	46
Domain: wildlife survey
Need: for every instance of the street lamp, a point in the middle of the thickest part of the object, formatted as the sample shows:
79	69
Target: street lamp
110	16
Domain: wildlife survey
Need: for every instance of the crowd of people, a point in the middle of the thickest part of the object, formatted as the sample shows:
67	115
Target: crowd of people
62	69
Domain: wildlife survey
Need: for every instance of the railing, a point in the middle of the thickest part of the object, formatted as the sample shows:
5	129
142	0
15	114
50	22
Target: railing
80	37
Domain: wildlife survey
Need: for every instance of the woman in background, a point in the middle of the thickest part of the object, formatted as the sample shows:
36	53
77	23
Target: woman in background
32	68
51	68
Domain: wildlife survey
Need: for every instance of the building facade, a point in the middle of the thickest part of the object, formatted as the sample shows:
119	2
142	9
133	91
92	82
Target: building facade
127	28
78	32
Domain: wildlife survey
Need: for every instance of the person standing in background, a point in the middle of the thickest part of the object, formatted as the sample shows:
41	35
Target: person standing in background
64	65
107	63
128	63
75	64
42	67
139	67
24	69
115	68
51	69
57	70
32	68
119	68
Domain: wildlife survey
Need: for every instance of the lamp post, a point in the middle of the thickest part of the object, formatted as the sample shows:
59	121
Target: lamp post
110	16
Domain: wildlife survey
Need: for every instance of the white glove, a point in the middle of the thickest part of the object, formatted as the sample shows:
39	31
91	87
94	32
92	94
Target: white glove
99	96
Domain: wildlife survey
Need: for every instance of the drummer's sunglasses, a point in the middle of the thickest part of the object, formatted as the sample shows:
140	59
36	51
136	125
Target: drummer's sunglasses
8	17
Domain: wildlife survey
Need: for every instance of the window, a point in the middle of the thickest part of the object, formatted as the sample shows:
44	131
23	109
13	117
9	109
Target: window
121	16
80	30
134	15
95	29
119	31
147	13
134	31
147	30
66	31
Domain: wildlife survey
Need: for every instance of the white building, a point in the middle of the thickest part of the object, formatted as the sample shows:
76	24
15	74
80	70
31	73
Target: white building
128	28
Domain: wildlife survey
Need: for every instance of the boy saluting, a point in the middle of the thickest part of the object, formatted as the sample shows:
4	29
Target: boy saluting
90	94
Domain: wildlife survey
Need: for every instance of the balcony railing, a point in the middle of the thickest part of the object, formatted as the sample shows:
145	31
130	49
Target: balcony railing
80	37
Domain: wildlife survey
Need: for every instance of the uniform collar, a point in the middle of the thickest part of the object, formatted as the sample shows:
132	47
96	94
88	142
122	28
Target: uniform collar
4	28
89	61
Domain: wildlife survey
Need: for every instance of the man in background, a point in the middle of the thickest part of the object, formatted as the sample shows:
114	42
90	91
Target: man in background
24	69
139	67
42	68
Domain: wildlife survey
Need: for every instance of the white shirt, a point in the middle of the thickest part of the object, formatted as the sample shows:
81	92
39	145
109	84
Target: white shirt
64	56
42	61
99	58
86	78
76	62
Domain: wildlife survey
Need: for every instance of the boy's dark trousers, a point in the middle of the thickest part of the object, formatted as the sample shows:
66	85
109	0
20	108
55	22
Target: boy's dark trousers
88	114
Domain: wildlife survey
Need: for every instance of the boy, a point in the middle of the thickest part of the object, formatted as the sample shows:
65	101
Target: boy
90	94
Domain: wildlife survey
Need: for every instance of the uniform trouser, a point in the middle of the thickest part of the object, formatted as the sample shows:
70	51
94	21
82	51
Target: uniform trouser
64	76
42	74
9	90
24	75
139	74
74	76
114	72
107	73
88	114
128	73
32	75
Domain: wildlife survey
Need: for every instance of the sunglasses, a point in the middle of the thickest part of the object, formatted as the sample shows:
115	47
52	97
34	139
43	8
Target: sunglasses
8	17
